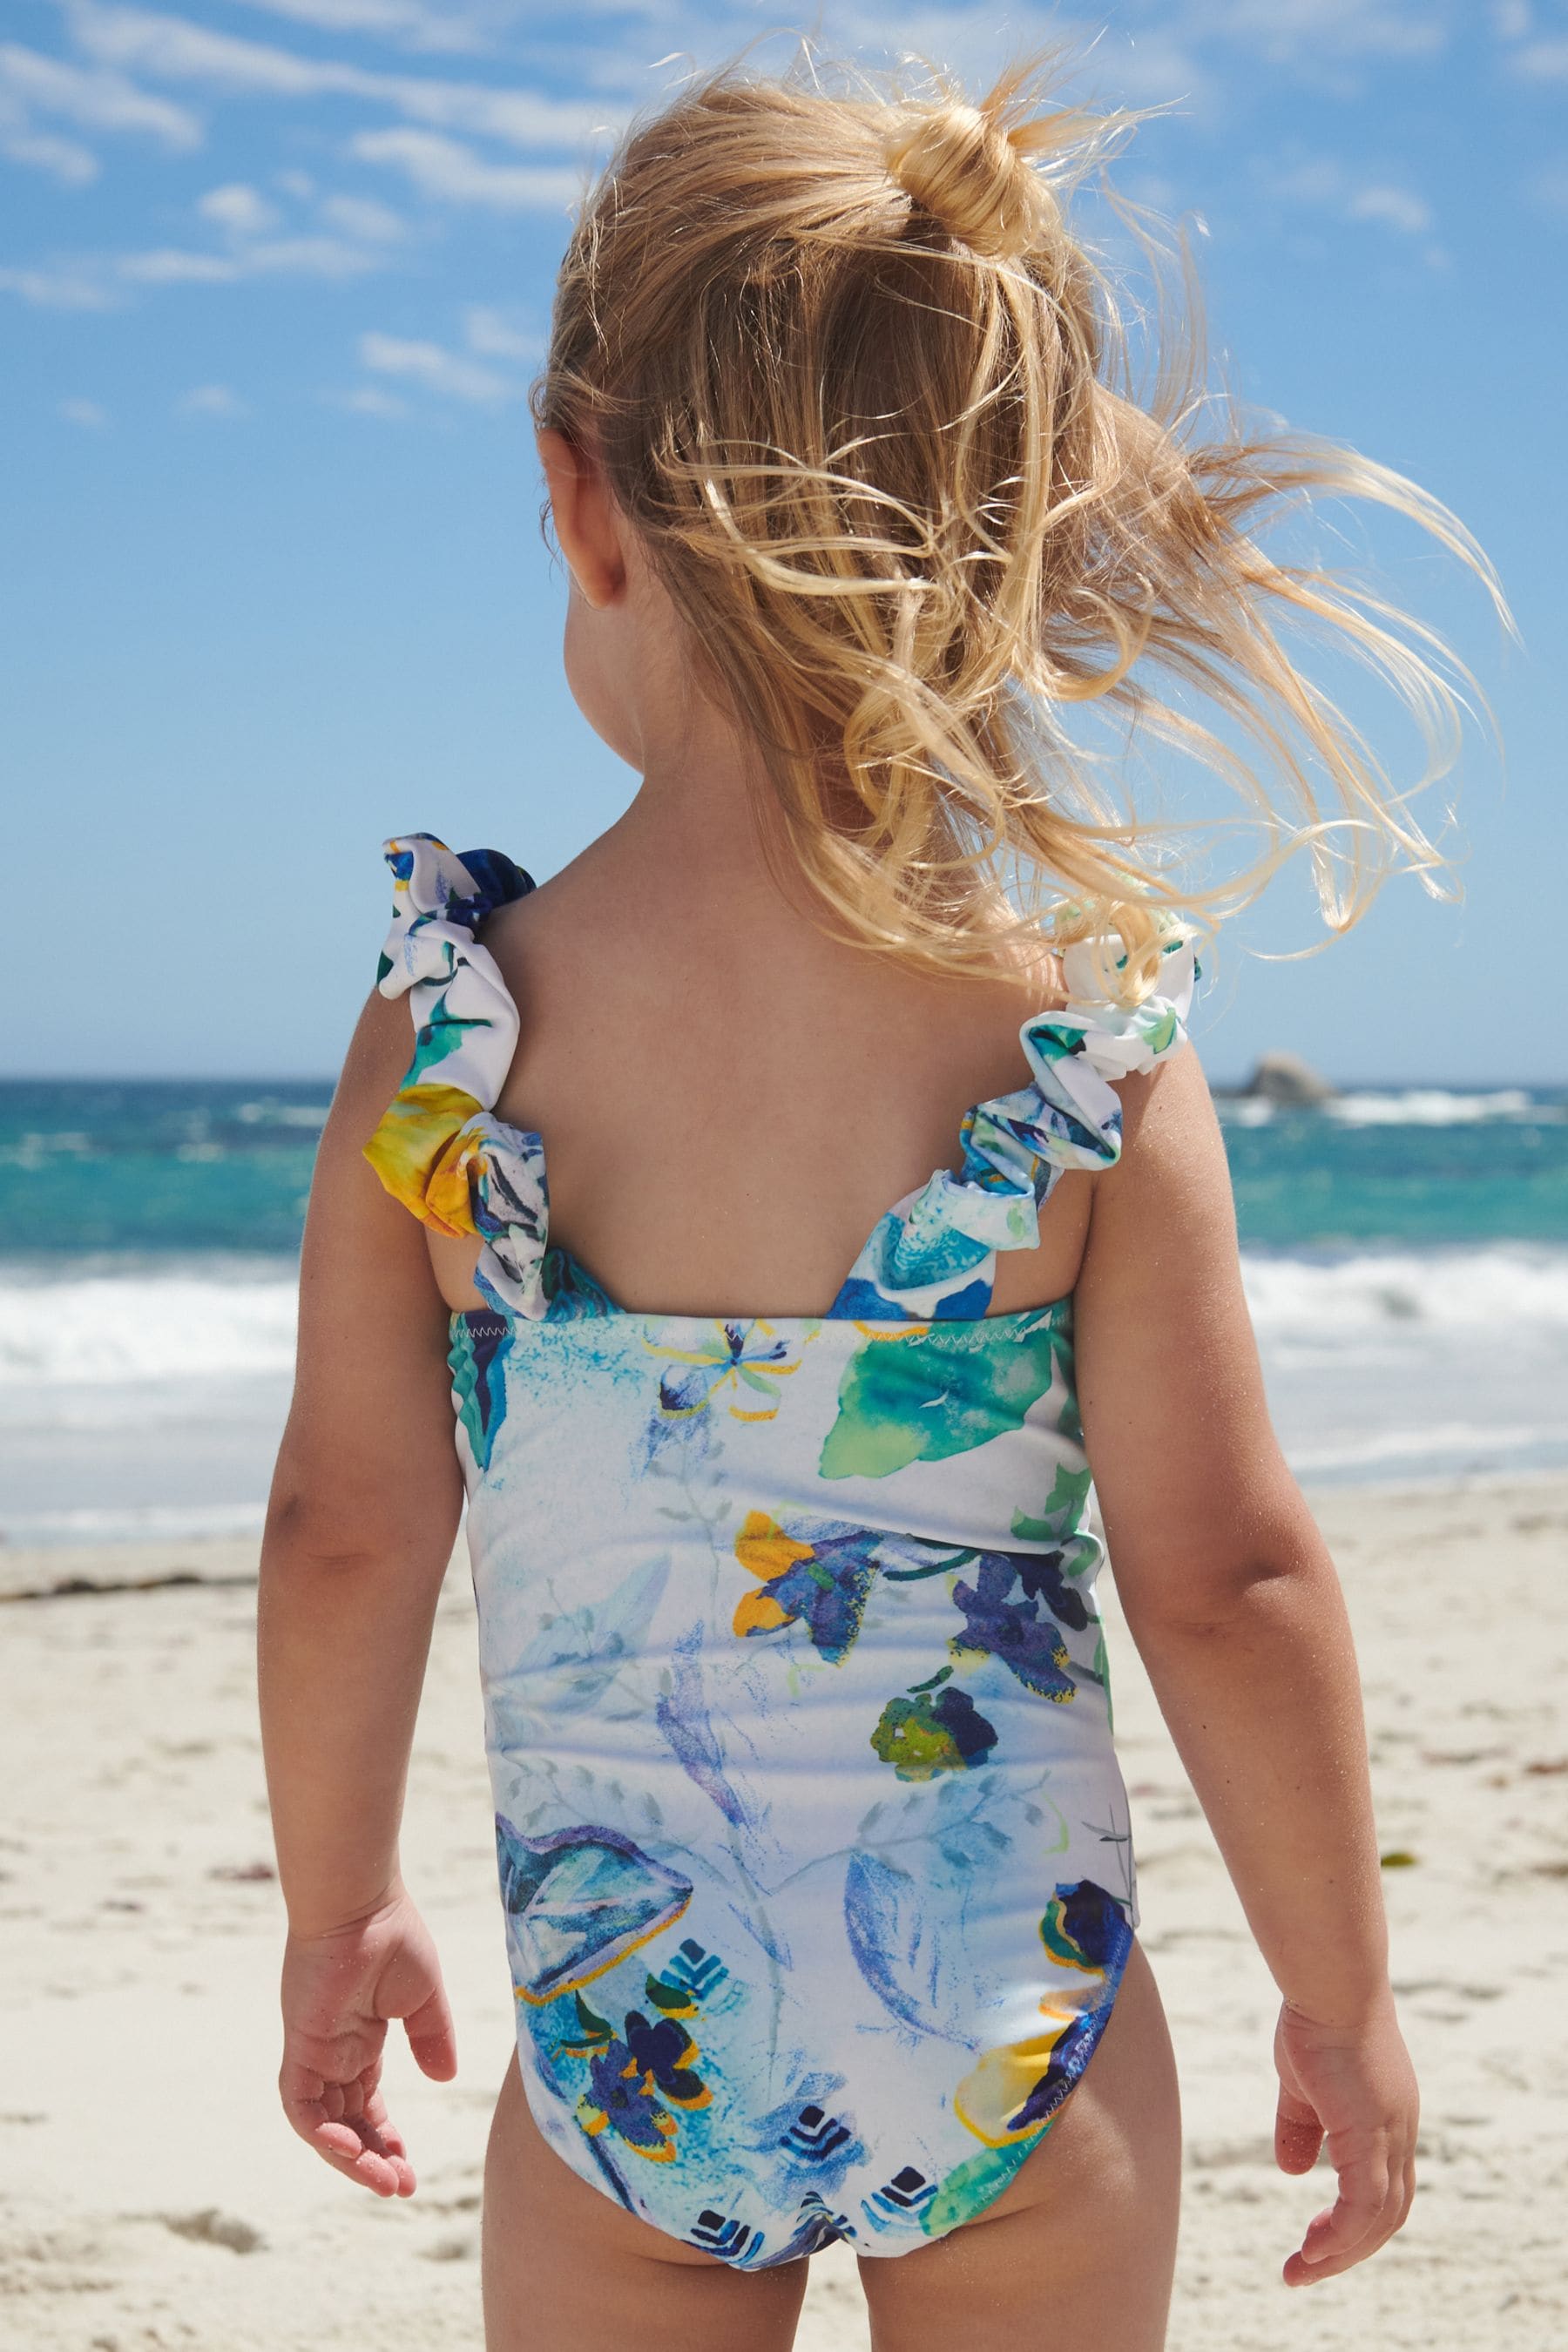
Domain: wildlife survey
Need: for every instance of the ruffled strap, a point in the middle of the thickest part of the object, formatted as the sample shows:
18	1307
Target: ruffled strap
438	1148
934	1254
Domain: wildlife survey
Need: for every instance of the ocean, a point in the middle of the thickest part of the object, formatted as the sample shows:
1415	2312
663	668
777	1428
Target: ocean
1406	1252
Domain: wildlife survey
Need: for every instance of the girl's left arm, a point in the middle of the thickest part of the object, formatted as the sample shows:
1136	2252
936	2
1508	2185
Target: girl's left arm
364	1512
1231	1597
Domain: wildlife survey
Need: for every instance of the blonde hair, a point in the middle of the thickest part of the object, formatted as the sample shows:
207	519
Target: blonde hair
864	397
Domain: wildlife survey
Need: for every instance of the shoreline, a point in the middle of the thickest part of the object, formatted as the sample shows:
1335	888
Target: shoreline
143	1406
77	1570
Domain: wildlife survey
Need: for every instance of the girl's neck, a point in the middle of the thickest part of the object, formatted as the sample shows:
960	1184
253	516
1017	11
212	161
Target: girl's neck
691	836
690	843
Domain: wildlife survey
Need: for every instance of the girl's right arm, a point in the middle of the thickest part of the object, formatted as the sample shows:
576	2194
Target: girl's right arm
365	1508
1237	1610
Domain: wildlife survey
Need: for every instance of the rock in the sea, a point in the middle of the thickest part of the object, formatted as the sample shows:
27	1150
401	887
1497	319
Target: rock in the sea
1285	1078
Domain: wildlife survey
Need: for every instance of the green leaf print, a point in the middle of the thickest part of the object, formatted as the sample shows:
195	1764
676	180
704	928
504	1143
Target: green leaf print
940	1389
674	1999
971	2186
595	2027
1064	1507
442	1034
922	1735
1159	1029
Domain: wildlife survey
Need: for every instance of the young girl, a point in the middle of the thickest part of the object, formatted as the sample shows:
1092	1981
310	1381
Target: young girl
813	1849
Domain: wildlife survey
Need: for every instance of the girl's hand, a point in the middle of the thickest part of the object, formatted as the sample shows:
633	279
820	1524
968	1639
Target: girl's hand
339	1989
1352	2090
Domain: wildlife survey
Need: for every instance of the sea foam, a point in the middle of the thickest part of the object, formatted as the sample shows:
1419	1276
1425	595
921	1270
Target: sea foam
150	1400
236	1317
1400	1106
1343	1297
155	1323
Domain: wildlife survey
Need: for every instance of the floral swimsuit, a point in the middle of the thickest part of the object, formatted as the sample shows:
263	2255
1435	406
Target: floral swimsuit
813	1845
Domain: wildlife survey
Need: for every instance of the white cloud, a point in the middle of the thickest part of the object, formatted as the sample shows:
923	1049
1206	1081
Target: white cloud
90	414
1542	61
175	49
353	244
58	286
238	209
520	116
1324	183
1393	208
491	332
66	160
362	217
1287	31
1320	181
454	175
1157	51
1549	189
285	257
31	83
447	372
400	20
212	400
171	266
308	256
1512	19
368	400
1154	67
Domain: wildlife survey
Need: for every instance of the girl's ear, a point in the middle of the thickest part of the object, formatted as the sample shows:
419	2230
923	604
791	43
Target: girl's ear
585	520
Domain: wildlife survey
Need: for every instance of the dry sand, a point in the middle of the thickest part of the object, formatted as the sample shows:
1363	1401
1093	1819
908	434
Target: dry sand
152	2194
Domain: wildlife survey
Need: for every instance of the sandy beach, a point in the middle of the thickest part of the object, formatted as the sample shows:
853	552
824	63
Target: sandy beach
151	2194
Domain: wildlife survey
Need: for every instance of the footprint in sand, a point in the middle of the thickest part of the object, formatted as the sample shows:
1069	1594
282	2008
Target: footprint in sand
214	2228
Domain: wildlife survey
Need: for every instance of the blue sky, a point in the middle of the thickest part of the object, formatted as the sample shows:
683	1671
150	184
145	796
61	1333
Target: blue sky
273	277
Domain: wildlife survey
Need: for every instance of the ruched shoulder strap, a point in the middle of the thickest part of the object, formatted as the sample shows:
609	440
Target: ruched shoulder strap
932	1255
440	1149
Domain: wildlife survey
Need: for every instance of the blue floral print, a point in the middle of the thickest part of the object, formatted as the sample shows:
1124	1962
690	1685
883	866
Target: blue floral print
810	1834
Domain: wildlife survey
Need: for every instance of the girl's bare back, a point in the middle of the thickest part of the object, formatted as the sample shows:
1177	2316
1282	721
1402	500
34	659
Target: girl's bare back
730	1098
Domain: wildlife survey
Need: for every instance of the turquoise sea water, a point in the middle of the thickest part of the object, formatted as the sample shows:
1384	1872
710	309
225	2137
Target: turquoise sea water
1405	1254
185	1166
160	1166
